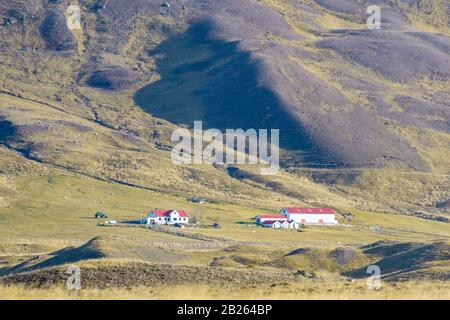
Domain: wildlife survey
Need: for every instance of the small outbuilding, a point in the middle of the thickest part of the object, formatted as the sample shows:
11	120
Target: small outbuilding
100	215
271	224
293	225
197	200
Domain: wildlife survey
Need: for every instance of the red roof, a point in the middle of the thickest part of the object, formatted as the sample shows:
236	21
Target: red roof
310	210
272	216
166	213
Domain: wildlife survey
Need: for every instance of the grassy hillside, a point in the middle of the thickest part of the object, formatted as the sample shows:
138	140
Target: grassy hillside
66	119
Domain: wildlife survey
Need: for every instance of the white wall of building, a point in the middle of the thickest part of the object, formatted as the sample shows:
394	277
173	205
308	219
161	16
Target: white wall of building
311	218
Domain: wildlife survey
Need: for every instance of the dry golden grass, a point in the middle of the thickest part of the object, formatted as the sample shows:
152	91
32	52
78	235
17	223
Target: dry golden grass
430	290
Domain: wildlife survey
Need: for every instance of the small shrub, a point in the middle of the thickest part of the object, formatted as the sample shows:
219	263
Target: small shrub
14	14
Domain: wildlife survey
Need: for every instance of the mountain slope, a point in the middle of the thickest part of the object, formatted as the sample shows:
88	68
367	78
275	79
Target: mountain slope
103	101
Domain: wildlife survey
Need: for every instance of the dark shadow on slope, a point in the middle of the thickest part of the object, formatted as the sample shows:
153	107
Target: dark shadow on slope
386	249
214	81
263	181
112	78
298	251
55	32
7	130
406	261
89	250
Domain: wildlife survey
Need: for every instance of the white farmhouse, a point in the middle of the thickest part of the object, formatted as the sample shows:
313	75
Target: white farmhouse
272	224
310	216
163	216
276	221
292	225
280	224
